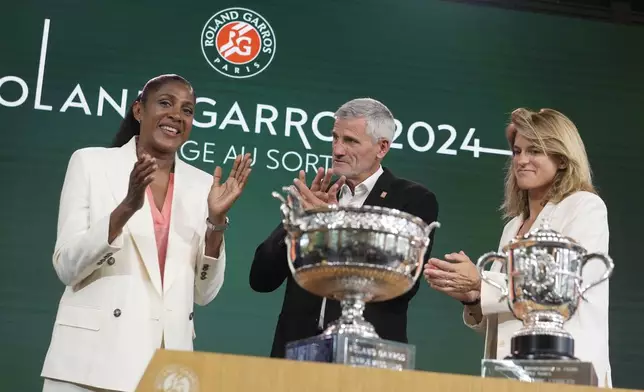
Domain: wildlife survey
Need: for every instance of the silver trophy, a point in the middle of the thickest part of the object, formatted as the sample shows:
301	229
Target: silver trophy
544	289
354	255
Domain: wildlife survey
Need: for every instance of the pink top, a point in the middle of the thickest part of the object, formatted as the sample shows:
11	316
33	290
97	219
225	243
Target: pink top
161	221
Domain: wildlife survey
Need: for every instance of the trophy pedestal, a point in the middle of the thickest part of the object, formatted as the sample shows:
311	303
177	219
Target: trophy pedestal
534	370
542	347
353	350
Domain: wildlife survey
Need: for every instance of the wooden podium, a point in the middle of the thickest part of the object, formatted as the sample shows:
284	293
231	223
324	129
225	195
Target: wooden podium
183	371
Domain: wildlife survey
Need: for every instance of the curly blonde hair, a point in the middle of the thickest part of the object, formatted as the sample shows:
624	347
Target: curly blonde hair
558	137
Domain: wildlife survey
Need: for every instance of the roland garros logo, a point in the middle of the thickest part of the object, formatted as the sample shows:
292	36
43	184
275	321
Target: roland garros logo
238	42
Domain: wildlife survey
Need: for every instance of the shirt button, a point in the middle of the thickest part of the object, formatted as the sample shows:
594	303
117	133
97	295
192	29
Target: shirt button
190	316
117	312
110	261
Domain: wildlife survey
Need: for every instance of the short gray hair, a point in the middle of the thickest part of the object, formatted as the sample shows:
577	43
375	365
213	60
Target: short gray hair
380	121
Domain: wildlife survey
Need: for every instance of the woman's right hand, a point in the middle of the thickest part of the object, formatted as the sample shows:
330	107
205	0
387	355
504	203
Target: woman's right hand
457	277
140	177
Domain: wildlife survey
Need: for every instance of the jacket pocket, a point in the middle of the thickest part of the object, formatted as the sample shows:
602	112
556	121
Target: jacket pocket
79	317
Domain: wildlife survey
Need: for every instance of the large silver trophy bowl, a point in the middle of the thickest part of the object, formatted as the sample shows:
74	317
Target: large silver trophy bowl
544	289
354	255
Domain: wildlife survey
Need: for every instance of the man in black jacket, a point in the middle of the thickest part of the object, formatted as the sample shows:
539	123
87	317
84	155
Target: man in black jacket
362	134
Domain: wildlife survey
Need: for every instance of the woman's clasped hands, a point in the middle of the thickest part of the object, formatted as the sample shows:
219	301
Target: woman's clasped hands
457	277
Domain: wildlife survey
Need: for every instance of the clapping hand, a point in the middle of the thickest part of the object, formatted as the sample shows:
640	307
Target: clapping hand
458	278
319	194
223	196
141	176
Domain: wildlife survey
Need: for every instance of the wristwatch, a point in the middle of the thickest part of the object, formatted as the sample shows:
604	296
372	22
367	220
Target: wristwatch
214	227
472	303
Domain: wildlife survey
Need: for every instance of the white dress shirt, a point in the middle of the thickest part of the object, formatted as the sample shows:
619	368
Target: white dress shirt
353	199
361	191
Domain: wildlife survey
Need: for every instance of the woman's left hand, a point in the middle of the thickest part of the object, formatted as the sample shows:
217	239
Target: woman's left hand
458	278
223	196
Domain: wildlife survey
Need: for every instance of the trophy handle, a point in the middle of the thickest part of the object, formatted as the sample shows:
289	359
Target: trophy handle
486	259
291	207
431	227
290	257
608	262
279	197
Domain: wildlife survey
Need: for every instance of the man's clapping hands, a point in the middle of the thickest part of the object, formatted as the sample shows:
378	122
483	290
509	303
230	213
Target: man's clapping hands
321	193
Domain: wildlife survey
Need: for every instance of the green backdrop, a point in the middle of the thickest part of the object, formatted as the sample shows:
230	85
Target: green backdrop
450	72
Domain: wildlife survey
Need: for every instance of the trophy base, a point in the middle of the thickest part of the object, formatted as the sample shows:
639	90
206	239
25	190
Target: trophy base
542	347
353	350
550	371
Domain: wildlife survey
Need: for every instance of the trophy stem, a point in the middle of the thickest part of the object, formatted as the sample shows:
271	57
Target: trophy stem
352	322
544	322
543	337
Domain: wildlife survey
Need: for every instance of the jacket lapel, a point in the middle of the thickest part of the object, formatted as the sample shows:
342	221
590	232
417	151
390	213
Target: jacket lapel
179	233
544	216
140	225
380	192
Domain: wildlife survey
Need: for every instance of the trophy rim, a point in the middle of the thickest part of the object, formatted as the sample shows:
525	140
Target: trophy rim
531	241
544	236
413	238
368	208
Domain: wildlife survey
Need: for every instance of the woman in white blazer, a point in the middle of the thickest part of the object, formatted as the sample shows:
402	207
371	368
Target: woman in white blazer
139	240
549	178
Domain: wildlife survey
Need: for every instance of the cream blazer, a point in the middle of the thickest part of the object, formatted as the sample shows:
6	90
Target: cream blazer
114	313
583	217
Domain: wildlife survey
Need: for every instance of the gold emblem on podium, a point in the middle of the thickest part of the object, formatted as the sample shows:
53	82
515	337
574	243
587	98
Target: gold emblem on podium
175	378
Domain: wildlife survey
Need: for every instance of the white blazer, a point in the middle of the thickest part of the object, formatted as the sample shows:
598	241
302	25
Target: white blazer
583	217
114	314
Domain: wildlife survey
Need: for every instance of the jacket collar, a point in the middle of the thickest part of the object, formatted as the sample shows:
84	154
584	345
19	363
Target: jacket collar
381	189
140	226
